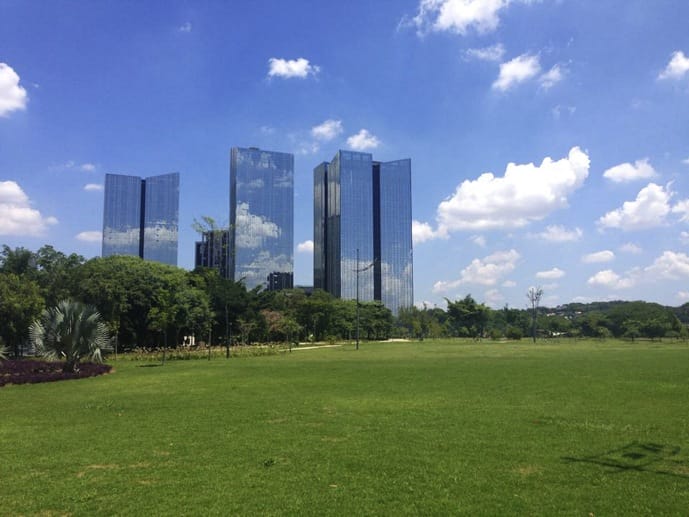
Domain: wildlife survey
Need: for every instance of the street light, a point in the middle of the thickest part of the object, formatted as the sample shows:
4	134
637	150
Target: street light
359	270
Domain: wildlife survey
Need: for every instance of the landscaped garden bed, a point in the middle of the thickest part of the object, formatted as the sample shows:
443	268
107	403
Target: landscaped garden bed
30	371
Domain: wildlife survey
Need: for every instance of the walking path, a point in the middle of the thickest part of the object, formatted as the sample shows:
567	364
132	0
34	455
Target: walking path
312	347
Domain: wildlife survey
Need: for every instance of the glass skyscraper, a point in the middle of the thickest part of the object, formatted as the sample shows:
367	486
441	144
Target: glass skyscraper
262	218
140	217
362	223
212	251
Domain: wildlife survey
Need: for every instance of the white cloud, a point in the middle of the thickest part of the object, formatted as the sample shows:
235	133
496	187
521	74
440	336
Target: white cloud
93	187
487	271
509	283
13	97
492	53
683	295
551	274
682	207
677	67
327	130
88	167
288	68
16	215
631	248
558	233
458	16
526	193
493	297
362	141
305	247
625	172
517	70
598	257
551	77
685	161
669	266
684	237
91	236
558	110
649	210
479	240
185	27
608	278
422	232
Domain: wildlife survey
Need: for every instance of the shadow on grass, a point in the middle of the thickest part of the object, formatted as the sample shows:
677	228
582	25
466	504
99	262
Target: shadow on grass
150	365
649	457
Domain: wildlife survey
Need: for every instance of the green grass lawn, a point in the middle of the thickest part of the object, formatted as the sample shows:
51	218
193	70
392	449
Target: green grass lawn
426	428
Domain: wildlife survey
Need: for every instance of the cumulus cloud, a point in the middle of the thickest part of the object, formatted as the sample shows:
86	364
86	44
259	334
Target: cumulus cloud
363	141
517	70
458	16
17	217
422	232
479	240
551	77
684	237
669	266
649	210
486	271
677	67
305	247
682	208
525	193
608	278
625	172
93	187
558	233
631	248
289	68
598	257
13	96
90	236
327	130
551	274
492	53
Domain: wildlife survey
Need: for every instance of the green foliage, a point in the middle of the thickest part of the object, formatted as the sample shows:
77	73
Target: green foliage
468	318
70	331
20	304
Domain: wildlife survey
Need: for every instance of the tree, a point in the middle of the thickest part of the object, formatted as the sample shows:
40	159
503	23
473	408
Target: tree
534	295
467	317
71	330
20	304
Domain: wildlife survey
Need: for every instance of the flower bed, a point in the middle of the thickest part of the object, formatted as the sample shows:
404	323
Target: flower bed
29	371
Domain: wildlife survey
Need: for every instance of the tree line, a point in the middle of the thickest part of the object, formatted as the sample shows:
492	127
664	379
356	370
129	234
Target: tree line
148	304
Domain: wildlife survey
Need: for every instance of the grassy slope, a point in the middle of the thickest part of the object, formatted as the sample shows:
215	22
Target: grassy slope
426	428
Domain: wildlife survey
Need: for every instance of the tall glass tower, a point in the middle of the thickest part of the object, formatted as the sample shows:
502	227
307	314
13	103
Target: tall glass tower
140	217
262	218
362	228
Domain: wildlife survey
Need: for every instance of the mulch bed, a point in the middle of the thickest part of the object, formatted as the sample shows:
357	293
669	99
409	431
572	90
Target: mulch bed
30	371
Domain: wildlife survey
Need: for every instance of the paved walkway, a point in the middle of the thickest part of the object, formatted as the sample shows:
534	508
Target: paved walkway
312	347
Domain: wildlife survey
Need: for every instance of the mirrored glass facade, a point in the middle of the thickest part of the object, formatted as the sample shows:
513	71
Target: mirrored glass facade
161	217
363	208
121	215
140	217
262	217
394	270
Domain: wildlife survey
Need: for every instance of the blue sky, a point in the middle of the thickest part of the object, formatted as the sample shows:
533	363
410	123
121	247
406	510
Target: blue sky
549	139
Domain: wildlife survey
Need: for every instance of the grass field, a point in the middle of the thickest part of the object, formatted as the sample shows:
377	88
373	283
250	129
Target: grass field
432	428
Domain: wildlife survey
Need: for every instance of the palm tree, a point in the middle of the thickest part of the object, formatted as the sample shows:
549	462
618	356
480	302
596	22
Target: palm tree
70	330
